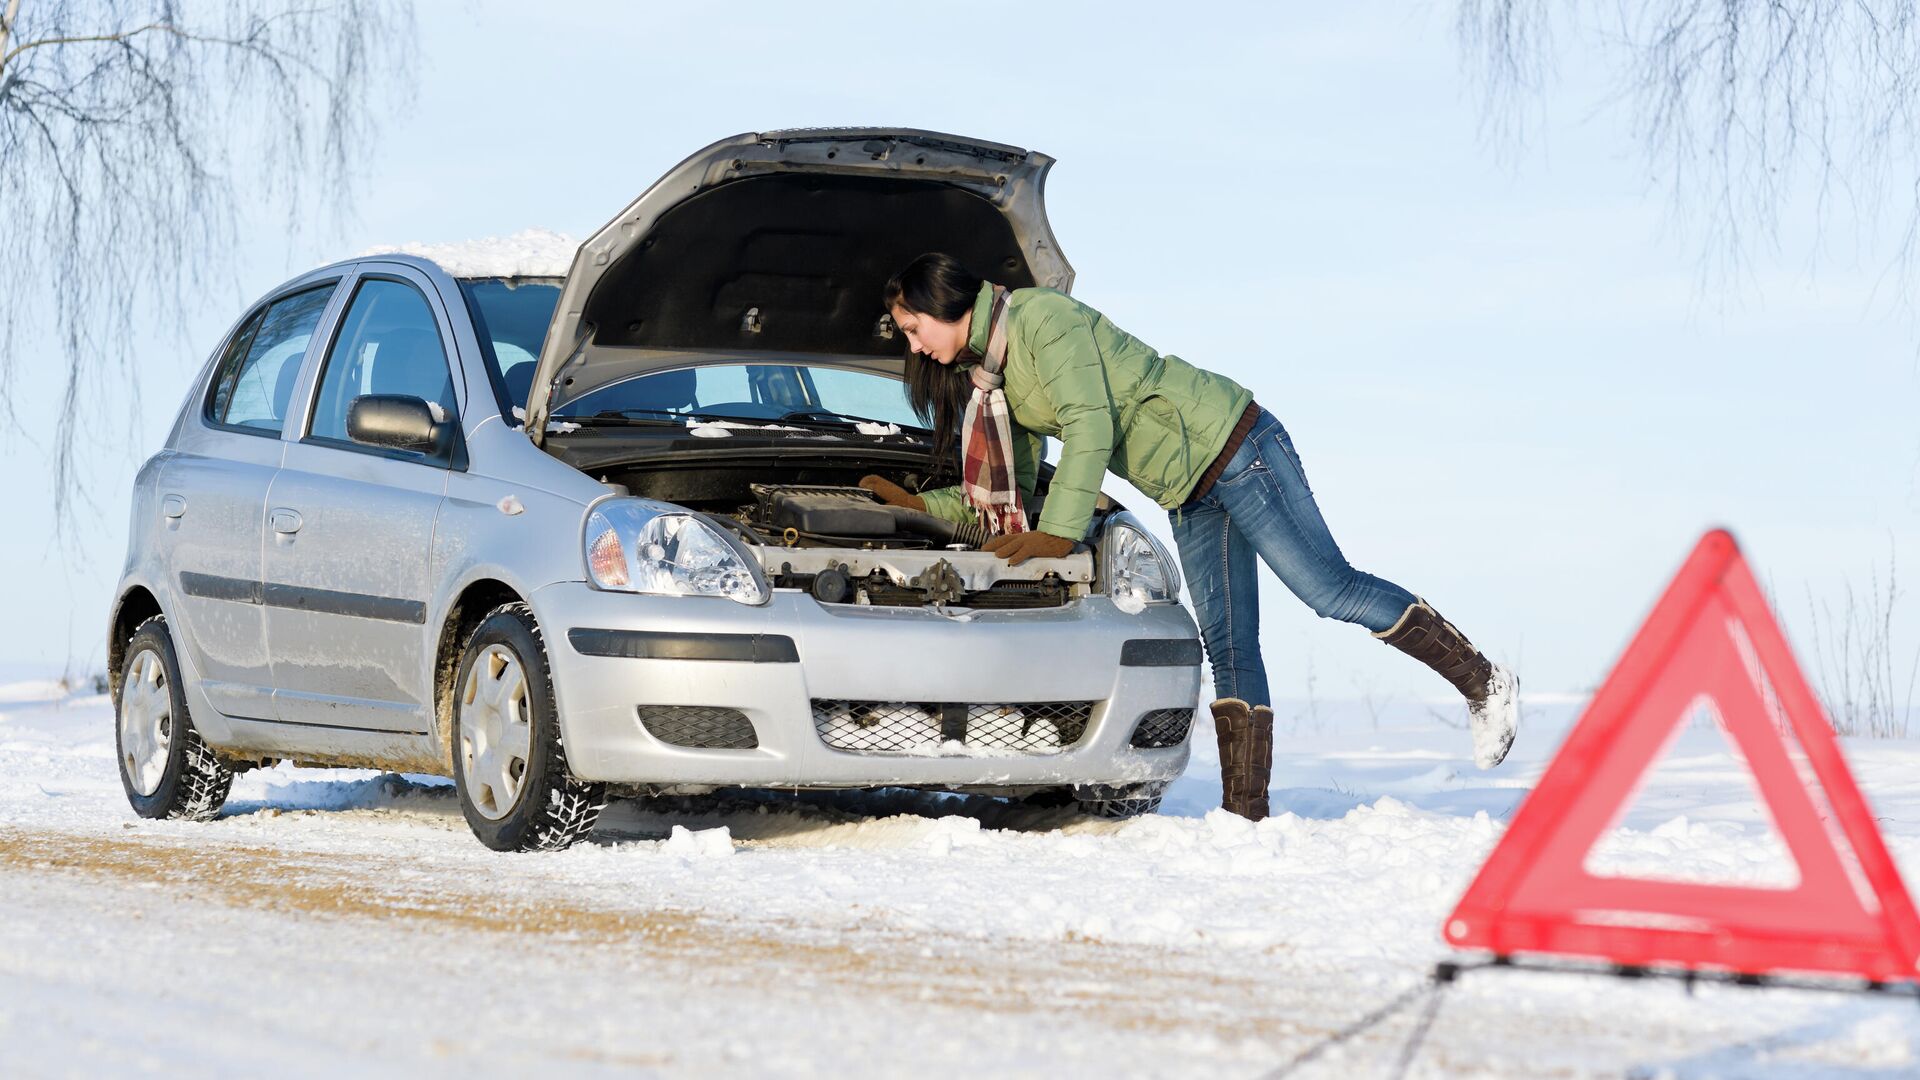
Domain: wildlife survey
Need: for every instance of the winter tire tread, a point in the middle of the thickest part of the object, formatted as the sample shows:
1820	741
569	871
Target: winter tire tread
1120	808
196	782
556	810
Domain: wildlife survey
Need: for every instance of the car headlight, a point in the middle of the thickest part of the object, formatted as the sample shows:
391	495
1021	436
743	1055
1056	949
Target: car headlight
1138	570
634	545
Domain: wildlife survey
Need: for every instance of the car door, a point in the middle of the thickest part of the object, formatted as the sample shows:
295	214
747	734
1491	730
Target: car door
347	559
213	494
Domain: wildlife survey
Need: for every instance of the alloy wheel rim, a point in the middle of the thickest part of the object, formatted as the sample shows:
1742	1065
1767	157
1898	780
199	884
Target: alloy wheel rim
146	722
496	731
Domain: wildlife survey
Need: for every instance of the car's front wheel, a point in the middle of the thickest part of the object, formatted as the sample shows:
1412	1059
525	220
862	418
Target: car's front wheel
508	762
165	767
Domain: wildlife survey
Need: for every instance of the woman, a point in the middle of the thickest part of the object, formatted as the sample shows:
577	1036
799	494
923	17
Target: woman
1005	368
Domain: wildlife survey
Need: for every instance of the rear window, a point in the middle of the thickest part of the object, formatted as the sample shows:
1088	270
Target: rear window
510	318
255	382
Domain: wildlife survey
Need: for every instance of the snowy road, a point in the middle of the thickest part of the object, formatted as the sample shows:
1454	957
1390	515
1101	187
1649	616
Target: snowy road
345	921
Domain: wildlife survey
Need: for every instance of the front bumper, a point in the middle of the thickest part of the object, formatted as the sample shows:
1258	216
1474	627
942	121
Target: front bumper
848	652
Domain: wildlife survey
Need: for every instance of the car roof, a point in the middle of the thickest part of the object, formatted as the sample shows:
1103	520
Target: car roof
433	270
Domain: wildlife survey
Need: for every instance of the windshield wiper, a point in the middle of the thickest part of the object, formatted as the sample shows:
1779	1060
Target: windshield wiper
808	417
653	414
845	418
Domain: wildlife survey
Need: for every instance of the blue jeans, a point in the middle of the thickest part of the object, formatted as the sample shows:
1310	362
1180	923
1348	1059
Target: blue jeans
1262	505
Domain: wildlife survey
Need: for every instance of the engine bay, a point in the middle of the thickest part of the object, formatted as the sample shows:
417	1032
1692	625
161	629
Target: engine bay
845	546
795	515
801	504
814	529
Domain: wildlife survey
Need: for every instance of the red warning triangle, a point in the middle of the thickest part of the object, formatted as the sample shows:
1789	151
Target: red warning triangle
1713	637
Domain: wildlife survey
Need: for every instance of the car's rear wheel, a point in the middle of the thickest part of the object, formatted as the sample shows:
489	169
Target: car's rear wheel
508	762
168	771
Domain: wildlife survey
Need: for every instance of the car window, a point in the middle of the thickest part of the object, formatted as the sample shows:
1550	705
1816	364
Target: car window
257	373
753	392
712	385
511	320
389	343
857	393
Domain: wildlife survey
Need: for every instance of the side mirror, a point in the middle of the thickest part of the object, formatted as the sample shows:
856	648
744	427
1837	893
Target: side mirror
398	421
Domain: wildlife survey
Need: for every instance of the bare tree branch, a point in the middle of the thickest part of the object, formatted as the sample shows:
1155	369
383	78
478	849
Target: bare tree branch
132	133
44	43
6	23
1742	108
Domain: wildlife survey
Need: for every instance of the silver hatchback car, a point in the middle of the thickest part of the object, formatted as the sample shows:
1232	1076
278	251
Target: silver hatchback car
596	531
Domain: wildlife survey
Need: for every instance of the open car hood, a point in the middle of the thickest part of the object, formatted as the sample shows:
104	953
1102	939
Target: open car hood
779	243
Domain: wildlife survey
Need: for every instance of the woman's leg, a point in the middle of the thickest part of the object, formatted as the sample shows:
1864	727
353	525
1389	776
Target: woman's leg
1265	494
1222	578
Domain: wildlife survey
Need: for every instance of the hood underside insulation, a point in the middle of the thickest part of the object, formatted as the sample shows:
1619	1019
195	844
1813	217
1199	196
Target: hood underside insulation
793	262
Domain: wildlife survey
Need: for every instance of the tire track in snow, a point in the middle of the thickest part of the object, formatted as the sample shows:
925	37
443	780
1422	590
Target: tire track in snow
1129	987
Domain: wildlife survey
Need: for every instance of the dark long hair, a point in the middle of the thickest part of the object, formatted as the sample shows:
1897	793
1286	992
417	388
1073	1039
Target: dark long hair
937	286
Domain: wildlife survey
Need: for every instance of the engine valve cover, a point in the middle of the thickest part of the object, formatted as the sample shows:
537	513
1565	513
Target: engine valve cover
833	511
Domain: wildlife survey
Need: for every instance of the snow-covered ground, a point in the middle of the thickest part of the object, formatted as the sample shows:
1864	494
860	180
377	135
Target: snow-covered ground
336	922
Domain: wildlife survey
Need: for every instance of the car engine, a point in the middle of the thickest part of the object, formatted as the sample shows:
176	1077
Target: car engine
845	546
797	515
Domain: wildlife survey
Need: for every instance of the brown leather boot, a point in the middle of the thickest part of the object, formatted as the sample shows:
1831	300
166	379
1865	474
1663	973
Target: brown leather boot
1422	634
1491	691
1246	756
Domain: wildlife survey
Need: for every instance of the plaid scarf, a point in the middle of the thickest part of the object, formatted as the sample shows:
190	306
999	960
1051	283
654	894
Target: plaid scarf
986	465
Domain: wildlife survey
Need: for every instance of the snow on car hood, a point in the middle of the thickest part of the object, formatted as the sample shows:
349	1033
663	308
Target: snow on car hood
780	243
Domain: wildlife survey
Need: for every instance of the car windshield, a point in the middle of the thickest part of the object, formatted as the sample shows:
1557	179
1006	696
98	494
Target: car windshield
751	392
511	319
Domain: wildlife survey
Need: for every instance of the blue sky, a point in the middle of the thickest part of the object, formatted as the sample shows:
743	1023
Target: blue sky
1511	390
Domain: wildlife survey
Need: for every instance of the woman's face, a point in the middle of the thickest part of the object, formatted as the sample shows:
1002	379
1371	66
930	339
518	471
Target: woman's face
931	338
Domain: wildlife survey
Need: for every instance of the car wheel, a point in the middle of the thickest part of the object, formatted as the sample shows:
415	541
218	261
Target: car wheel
1120	808
165	767
508	763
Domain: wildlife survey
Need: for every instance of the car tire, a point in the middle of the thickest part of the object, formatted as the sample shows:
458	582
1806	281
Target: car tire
167	770
508	762
1120	808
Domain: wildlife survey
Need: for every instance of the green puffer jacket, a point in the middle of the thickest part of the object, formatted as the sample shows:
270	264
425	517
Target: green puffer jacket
1155	421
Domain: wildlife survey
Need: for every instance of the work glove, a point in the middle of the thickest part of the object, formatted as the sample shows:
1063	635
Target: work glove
1017	548
892	494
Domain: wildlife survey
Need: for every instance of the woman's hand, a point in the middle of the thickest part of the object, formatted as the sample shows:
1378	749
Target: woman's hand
892	494
1017	548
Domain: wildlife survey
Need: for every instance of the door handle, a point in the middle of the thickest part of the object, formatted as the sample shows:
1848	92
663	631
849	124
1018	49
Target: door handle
285	521
173	506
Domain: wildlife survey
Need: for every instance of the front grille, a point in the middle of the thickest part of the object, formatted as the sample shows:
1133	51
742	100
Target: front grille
1162	728
702	727
897	727
1000	596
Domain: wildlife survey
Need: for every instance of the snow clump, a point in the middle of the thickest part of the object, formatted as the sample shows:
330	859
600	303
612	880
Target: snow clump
527	253
704	844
